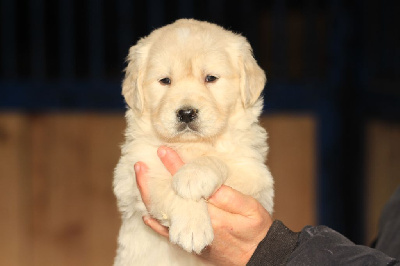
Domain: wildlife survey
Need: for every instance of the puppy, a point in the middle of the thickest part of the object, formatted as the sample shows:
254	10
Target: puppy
194	87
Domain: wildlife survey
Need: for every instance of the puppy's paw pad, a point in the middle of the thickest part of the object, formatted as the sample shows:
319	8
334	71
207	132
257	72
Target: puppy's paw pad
193	235
192	182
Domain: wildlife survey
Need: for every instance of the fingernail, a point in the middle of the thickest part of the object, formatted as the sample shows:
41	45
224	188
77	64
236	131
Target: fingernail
211	200
161	152
146	219
137	167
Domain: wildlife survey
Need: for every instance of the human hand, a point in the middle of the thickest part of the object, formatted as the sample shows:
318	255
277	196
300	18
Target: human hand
239	221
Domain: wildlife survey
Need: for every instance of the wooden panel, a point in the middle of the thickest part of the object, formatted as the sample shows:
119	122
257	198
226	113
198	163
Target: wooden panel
57	170
75	221
14	184
57	205
292	160
382	170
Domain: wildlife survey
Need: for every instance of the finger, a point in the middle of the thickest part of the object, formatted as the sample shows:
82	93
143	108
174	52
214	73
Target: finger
170	159
233	201
141	181
156	226
220	218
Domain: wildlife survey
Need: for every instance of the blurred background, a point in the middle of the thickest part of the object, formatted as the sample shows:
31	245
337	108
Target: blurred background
332	110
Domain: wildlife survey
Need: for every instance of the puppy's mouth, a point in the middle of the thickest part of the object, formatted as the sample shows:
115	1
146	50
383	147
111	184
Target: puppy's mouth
187	127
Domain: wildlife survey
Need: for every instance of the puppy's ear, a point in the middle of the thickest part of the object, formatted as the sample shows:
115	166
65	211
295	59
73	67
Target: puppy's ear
132	86
252	77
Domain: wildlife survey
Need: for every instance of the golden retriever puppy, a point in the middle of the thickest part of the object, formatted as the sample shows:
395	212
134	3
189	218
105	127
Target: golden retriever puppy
194	87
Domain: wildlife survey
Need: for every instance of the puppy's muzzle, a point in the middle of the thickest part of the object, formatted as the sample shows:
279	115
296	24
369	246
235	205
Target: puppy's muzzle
187	114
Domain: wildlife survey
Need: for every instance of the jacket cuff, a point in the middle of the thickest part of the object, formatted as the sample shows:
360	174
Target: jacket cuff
276	247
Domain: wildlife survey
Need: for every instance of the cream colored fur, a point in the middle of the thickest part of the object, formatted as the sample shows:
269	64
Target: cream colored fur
226	145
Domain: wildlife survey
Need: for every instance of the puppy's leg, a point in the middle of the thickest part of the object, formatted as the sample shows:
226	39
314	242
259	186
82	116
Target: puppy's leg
188	220
200	178
190	225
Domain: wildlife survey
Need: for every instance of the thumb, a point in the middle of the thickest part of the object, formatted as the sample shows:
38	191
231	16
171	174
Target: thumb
233	201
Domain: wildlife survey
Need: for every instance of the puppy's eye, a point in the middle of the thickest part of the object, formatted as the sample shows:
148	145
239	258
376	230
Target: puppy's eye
165	81
210	78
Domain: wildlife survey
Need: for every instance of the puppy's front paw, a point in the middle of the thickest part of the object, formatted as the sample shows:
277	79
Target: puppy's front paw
194	181
191	230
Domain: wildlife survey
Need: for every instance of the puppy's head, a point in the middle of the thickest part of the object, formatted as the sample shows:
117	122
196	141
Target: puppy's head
189	77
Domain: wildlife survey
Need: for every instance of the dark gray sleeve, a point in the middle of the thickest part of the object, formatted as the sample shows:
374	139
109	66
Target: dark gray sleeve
276	247
321	245
389	227
318	245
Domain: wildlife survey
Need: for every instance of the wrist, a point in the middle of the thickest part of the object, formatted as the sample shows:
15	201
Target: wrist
257	240
277	246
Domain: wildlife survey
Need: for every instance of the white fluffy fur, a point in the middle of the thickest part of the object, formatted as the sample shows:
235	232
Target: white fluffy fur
227	145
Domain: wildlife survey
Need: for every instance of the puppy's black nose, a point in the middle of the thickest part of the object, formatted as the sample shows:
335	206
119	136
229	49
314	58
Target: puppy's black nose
187	115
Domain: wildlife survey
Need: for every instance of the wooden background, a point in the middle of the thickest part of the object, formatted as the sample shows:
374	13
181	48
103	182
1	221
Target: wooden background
57	205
